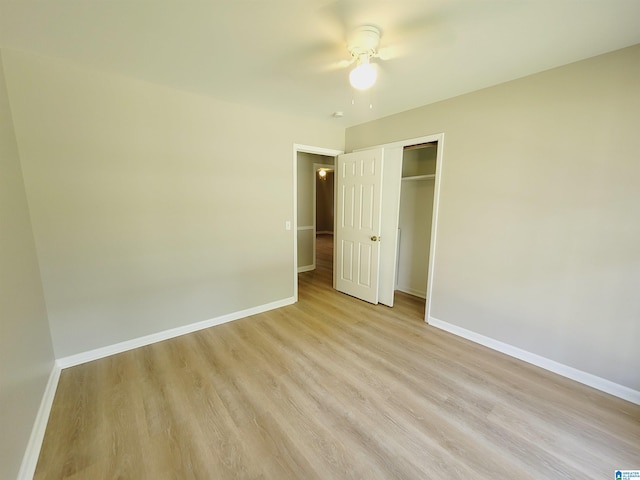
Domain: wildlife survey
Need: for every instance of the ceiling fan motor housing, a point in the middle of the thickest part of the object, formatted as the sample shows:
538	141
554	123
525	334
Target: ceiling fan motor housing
364	41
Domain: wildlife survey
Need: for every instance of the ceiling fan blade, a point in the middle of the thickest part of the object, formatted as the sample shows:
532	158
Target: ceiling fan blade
391	52
339	65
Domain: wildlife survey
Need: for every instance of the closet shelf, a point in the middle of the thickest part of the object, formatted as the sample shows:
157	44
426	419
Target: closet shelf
419	177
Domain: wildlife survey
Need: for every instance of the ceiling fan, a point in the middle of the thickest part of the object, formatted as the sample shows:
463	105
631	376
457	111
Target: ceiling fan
363	45
361	24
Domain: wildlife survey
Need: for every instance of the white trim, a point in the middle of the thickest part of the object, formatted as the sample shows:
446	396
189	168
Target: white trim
434	224
327	152
297	147
102	352
406	143
295	221
585	378
412	291
306	268
32	452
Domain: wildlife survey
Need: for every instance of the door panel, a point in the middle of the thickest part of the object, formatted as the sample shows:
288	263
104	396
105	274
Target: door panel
359	183
364	262
348	211
347	261
366	202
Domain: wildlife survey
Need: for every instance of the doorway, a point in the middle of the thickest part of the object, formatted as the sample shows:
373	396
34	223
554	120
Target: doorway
323	197
422	173
415	218
307	162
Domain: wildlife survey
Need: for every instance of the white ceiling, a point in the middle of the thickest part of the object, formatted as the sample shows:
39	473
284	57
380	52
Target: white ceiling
281	54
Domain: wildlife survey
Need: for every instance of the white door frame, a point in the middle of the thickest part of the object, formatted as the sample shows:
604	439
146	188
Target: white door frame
329	152
439	137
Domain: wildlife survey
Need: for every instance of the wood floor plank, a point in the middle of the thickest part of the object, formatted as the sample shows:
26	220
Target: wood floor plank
330	387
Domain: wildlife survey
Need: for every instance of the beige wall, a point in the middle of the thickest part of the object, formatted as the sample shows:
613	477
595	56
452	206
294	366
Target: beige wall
305	188
537	244
152	208
26	353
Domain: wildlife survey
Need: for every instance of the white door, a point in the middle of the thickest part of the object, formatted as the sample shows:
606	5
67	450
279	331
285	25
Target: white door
392	173
358	188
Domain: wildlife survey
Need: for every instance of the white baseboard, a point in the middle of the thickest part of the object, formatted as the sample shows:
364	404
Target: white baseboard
585	378
306	268
102	352
412	291
32	452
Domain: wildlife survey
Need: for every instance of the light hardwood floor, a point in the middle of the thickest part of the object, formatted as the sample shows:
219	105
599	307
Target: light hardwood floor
331	388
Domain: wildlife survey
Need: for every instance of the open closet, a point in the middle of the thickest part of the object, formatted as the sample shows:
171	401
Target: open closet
389	195
415	218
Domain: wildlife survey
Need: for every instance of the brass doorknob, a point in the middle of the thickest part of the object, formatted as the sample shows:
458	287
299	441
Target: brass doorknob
375	238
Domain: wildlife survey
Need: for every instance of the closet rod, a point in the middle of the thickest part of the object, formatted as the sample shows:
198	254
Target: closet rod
419	177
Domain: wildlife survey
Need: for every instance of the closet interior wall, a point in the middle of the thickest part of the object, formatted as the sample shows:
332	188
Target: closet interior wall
416	211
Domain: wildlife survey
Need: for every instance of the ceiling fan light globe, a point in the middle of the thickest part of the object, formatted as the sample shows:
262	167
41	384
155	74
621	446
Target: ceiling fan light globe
363	76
